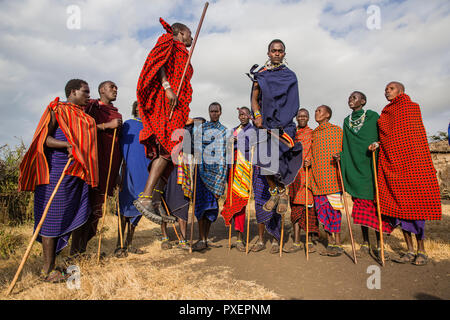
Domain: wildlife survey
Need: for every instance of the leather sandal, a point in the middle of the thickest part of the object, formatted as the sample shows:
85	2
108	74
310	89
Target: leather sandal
259	246
147	210
421	259
272	202
293	248
408	257
283	202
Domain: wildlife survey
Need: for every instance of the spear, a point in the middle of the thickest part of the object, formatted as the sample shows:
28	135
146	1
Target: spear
191	51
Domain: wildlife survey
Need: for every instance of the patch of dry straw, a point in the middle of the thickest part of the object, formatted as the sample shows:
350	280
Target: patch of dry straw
157	274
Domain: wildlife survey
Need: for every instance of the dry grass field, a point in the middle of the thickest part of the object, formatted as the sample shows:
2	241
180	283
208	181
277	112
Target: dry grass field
170	274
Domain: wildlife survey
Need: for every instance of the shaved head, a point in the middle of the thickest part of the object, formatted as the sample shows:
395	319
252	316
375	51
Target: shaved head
399	85
178	27
393	89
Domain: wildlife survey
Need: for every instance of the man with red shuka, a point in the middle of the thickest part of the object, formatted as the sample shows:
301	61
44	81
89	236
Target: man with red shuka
407	182
159	78
64	132
107	118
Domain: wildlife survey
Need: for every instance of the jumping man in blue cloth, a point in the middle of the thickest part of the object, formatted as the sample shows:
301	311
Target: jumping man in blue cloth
275	102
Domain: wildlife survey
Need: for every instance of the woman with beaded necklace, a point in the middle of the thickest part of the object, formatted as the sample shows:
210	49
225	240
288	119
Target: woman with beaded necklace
360	130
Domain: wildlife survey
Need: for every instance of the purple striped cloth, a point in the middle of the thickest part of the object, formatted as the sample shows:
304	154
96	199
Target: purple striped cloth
330	218
70	206
271	220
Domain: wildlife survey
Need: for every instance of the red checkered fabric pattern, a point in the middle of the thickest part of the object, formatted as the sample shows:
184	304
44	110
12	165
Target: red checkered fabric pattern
327	140
298	214
365	213
154	108
407	181
297	192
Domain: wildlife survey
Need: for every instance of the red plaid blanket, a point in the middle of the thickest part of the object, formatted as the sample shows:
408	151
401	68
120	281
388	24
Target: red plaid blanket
407	179
154	108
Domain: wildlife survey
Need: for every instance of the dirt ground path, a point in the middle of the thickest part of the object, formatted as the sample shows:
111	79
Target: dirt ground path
176	274
293	277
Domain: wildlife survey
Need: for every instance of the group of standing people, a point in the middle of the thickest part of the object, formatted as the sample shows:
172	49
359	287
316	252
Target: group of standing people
282	163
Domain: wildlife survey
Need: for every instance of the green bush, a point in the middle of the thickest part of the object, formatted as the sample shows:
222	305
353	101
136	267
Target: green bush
9	242
15	207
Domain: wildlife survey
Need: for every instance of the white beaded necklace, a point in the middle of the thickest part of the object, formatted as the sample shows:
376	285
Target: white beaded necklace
357	123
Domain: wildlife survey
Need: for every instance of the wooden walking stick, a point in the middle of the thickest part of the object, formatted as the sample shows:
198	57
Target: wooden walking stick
307	225
106	196
230	185
168	213
38	228
378	207
120	221
347	212
249	196
282	233
191	51
193	206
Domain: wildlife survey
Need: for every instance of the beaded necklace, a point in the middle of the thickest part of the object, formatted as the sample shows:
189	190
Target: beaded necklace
357	123
269	66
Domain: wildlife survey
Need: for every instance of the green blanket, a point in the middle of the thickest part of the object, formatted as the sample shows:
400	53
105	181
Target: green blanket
356	159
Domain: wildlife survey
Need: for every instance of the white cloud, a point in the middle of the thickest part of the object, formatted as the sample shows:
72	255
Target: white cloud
328	46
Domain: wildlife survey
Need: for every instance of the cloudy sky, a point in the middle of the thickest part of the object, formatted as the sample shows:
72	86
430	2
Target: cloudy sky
335	47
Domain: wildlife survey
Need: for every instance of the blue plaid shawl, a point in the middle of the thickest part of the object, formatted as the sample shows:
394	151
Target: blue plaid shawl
212	169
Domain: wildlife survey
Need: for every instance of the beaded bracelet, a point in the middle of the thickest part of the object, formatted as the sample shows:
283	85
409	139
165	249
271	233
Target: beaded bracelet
166	85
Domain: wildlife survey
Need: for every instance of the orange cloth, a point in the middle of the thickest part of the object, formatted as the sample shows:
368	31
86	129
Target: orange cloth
297	192
80	131
327	140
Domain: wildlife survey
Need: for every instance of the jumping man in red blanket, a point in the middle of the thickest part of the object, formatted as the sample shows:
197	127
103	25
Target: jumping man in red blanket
297	190
107	118
158	82
63	132
408	186
360	130
238	180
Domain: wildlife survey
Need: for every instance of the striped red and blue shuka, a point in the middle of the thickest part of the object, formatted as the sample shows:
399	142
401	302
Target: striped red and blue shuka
330	218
